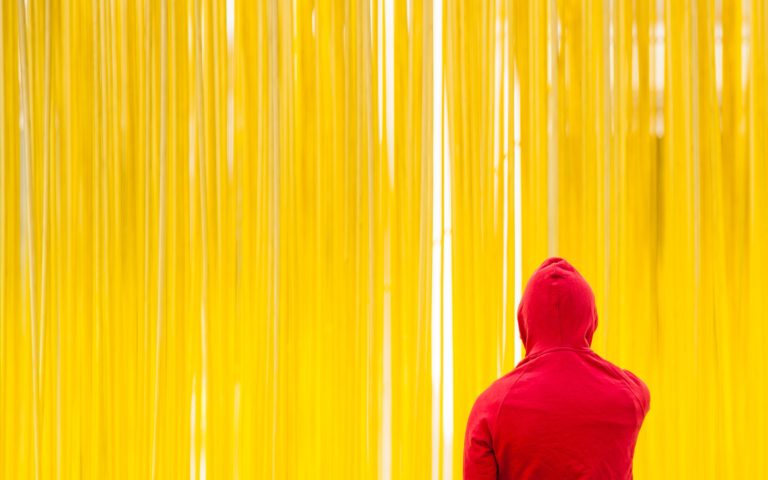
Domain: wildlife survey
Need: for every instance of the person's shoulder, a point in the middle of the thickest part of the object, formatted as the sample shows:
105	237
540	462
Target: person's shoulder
640	388
635	384
495	393
637	381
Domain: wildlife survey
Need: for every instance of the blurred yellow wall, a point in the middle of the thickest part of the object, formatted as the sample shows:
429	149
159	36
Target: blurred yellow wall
280	239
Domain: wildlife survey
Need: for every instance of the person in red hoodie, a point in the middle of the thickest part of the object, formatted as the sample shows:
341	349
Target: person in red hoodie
563	412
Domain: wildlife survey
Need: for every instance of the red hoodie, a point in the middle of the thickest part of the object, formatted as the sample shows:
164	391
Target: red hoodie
563	412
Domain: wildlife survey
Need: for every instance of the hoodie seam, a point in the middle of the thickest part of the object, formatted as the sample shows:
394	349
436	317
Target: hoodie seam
501	404
541	353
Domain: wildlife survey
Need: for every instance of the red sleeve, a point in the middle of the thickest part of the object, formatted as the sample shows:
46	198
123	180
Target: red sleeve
479	459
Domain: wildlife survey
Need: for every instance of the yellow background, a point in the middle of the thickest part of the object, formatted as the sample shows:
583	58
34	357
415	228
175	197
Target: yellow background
286	239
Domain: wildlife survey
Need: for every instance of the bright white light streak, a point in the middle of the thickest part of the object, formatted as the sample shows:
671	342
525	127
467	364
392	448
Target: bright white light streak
230	20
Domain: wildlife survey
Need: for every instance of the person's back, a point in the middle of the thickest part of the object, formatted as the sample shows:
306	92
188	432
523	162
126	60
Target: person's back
563	412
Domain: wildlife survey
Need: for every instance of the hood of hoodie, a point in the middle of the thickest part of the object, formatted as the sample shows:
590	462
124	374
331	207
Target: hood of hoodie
557	309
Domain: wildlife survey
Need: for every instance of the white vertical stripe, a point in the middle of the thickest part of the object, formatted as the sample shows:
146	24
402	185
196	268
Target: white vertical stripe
230	12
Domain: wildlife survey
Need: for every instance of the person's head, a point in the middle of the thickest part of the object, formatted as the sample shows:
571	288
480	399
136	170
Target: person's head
557	308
